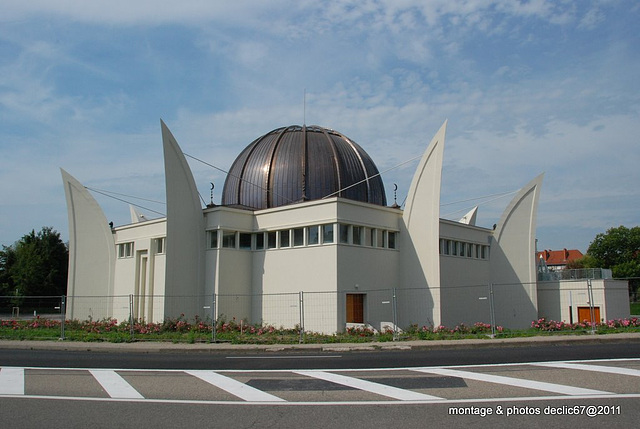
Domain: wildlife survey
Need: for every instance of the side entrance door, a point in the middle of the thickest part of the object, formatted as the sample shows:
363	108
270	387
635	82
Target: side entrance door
584	313
355	308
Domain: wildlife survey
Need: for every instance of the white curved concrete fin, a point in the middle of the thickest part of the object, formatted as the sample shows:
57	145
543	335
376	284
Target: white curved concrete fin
91	246
184	269
420	264
523	207
179	166
136	216
512	257
424	192
470	218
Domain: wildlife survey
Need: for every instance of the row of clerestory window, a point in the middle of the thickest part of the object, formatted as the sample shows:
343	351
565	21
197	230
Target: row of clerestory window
463	249
313	235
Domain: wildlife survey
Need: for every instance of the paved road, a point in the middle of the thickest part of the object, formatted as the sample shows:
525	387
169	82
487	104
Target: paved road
586	392
543	384
336	356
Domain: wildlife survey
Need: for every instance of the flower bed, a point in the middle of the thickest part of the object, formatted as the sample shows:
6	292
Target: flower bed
197	330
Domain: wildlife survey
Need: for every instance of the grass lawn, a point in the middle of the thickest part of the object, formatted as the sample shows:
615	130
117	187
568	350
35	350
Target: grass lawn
635	308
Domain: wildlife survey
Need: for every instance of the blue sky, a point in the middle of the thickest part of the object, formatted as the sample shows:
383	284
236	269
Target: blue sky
527	86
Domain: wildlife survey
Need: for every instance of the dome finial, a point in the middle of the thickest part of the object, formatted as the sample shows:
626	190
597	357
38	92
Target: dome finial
304	109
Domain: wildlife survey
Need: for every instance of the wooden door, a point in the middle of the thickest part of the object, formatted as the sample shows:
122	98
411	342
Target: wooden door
584	313
355	308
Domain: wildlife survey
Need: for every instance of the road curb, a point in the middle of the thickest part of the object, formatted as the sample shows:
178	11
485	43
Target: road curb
161	347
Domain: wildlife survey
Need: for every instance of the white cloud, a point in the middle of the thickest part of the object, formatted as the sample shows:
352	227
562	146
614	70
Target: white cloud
82	86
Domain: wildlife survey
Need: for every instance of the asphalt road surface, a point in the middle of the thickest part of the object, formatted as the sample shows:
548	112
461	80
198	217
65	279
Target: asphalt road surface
577	385
80	357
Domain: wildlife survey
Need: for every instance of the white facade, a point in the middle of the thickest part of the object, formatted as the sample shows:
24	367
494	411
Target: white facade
571	300
340	253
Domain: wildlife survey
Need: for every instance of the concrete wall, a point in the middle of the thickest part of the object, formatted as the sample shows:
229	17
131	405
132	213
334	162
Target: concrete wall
616	296
370	271
289	271
141	274
559	300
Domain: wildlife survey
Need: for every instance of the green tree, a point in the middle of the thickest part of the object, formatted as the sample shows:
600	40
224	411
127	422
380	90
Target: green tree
37	264
619	250
7	260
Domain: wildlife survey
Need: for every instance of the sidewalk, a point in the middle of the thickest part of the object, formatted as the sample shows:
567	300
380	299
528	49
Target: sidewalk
168	347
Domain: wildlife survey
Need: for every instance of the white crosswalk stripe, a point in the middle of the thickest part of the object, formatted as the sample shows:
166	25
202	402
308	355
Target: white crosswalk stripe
289	387
234	387
11	381
510	381
596	368
369	386
114	384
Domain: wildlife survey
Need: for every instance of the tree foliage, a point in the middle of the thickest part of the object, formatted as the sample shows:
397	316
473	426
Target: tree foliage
619	250
37	264
618	246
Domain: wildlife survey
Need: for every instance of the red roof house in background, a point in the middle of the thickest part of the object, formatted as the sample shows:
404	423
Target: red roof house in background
557	260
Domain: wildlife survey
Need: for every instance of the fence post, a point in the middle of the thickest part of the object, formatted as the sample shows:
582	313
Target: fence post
63	314
301	317
131	315
214	322
592	311
394	309
493	311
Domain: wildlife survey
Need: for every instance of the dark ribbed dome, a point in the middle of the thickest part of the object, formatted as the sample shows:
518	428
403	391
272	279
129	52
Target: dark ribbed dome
294	164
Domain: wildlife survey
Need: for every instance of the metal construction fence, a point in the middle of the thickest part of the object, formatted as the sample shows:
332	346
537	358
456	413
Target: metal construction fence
576	274
382	310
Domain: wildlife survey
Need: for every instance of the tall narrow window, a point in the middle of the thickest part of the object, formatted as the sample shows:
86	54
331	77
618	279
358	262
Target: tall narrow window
392	240
381	237
244	241
259	241
271	240
327	233
159	245
313	235
213	239
229	239
284	238
357	235
298	237
344	233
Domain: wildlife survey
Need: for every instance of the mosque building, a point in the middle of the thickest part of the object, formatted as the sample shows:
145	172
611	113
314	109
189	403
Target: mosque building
304	215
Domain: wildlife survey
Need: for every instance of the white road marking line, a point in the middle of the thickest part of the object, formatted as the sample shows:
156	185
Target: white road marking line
596	368
114	384
517	382
11	381
235	387
369	386
282	357
474	401
401	368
